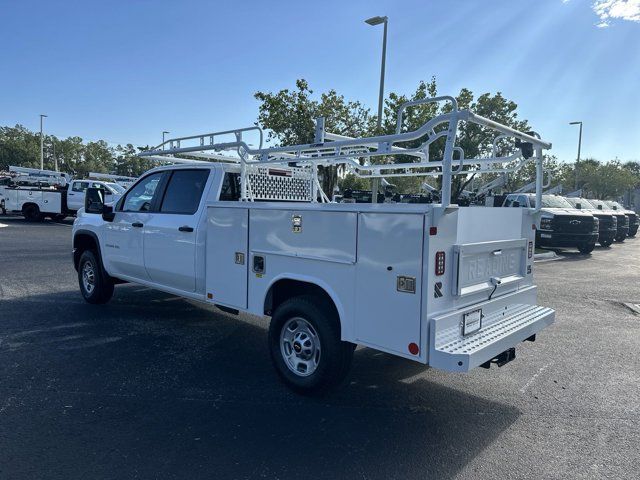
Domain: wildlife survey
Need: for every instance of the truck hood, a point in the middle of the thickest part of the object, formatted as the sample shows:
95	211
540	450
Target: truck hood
565	211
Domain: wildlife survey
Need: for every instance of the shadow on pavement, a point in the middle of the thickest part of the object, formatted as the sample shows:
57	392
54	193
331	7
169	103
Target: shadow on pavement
153	386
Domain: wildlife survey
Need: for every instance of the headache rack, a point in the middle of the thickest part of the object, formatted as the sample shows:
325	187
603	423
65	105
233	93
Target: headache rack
291	172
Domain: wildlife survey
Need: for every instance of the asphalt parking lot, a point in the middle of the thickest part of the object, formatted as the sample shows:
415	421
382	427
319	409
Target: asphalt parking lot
153	386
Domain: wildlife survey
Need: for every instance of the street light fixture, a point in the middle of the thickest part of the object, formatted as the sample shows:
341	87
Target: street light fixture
373	21
163	133
579	147
41	143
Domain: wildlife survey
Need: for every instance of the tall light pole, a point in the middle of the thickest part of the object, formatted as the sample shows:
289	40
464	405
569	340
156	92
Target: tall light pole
373	21
579	147
41	143
163	134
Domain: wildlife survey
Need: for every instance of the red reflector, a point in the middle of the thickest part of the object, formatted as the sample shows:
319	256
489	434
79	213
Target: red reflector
439	263
414	349
433	230
209	296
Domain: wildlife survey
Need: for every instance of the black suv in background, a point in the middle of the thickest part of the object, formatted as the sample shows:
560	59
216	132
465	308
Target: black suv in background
634	222
623	220
558	224
608	228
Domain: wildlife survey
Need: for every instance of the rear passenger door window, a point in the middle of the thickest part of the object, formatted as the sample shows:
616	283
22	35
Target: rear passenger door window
184	191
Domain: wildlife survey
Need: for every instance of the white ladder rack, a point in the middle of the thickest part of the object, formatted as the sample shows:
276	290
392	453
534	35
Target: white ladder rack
332	149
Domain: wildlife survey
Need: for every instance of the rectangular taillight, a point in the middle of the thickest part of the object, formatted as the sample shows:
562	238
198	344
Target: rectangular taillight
439	263
530	250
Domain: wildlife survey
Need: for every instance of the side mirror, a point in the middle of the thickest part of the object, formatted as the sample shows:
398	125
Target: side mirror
599	207
579	206
94	201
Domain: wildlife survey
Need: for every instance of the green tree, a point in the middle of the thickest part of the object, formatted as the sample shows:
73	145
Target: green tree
289	115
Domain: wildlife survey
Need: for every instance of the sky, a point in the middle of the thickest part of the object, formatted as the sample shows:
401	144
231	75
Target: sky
124	71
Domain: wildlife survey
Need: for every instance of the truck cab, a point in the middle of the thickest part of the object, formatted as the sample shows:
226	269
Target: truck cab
558	223
77	189
634	221
622	219
608	227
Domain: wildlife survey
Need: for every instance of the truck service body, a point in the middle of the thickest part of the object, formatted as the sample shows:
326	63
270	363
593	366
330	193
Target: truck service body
445	286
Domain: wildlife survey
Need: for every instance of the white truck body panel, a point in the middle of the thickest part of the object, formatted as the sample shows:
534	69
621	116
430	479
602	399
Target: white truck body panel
48	201
347	249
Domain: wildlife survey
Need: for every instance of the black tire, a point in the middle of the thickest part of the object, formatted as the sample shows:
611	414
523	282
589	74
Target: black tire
99	289
606	243
586	249
59	217
620	238
333	357
31	213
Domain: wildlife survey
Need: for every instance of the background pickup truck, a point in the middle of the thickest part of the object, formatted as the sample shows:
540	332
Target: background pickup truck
451	288
608	228
558	223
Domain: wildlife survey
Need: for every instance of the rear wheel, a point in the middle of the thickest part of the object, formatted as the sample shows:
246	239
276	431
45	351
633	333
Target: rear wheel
606	243
305	346
620	238
32	213
95	285
586	249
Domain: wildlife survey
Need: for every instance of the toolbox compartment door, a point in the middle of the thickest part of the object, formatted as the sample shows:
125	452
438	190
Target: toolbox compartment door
226	258
481	266
389	281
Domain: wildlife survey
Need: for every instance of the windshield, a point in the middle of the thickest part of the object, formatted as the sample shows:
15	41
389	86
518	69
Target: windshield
584	204
115	188
614	205
600	205
551	201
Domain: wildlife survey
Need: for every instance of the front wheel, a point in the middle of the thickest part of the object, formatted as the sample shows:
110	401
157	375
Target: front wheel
606	243
586	249
95	285
620	238
305	346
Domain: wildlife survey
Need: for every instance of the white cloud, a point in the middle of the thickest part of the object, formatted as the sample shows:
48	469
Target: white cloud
609	10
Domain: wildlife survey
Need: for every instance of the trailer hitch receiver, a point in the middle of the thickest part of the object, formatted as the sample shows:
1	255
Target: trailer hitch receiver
501	359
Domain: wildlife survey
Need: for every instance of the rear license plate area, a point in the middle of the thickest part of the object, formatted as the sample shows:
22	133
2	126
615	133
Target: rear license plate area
471	322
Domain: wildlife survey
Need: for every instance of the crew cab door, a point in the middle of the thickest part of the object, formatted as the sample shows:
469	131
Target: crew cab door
75	194
172	232
123	252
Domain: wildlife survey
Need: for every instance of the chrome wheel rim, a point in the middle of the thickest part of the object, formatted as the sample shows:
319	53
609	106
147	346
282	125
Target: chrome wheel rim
88	277
300	346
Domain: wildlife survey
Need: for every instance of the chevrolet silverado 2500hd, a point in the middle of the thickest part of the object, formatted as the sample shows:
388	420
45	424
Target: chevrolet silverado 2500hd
444	286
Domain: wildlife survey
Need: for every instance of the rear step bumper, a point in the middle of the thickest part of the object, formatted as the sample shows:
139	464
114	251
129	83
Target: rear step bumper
501	331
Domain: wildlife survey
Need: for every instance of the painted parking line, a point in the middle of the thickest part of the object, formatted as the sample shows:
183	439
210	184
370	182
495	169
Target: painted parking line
2	225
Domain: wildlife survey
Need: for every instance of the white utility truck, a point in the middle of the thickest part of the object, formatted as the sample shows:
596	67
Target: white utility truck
37	194
445	286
